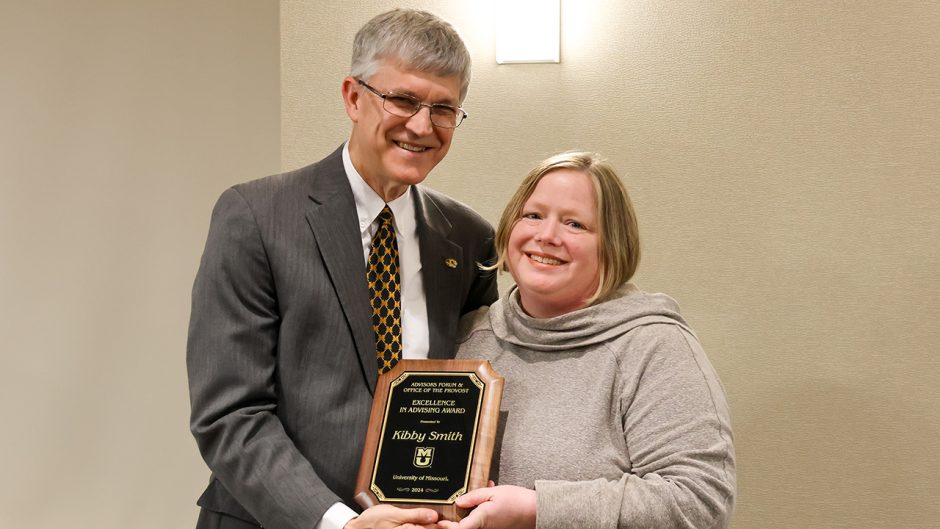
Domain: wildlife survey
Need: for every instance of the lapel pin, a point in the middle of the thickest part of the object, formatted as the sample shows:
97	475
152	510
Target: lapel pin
450	262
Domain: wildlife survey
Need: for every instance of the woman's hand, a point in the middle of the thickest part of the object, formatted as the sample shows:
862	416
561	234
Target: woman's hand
502	507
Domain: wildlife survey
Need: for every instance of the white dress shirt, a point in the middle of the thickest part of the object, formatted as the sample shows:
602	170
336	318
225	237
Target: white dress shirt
415	335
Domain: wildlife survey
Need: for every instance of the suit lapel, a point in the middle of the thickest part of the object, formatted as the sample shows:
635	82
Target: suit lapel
440	269
333	219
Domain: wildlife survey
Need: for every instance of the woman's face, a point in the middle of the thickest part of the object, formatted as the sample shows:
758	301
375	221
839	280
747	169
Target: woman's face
553	247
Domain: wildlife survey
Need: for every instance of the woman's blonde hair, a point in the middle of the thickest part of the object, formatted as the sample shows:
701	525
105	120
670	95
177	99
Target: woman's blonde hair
618	233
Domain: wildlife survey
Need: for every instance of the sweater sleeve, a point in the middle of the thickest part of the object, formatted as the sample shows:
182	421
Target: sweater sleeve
677	430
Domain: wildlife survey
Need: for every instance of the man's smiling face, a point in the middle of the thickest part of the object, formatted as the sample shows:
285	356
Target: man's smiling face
392	152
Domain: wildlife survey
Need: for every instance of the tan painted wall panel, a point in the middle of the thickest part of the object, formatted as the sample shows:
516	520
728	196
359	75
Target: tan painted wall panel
120	124
785	162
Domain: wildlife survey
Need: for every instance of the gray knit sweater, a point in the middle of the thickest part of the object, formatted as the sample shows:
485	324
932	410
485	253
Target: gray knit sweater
612	413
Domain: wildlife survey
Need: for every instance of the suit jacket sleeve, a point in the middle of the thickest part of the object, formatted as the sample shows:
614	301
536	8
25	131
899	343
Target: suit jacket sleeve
231	359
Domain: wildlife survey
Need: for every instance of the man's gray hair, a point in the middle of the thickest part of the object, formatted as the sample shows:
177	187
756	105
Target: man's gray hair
415	40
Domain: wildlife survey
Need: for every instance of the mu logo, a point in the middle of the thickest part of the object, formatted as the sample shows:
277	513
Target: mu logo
423	456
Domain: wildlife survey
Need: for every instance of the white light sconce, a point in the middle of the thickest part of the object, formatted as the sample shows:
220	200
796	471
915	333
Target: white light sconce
527	31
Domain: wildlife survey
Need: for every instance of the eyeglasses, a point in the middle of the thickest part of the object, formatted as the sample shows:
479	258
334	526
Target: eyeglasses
405	106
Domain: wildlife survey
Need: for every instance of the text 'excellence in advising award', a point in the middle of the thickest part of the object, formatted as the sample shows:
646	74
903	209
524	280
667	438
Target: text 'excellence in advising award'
431	434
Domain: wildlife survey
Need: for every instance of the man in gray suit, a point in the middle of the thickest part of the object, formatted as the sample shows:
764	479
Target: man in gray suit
282	351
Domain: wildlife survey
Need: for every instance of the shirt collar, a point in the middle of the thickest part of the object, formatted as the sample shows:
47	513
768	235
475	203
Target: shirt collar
369	204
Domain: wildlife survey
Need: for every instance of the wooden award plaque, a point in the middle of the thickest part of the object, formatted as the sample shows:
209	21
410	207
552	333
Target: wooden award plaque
430	436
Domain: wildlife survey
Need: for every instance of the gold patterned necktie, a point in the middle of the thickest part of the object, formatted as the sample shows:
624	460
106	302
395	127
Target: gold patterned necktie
385	289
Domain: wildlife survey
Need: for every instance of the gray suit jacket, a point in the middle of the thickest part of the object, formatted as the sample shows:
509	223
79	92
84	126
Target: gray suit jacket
281	349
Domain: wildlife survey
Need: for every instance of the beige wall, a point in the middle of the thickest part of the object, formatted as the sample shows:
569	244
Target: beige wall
120	124
785	162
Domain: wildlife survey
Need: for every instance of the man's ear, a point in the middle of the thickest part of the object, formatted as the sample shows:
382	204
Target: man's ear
351	98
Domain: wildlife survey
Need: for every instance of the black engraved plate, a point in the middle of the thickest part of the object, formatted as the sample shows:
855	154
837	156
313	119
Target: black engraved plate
427	438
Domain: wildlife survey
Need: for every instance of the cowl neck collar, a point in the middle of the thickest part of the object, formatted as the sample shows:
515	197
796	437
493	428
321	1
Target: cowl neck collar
627	309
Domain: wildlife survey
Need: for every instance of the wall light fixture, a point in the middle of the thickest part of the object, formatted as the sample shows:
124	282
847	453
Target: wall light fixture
527	31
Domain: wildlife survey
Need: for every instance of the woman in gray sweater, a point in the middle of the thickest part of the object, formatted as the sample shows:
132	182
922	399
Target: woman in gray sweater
614	417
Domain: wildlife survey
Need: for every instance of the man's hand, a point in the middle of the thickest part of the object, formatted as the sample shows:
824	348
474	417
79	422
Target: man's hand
390	517
502	507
